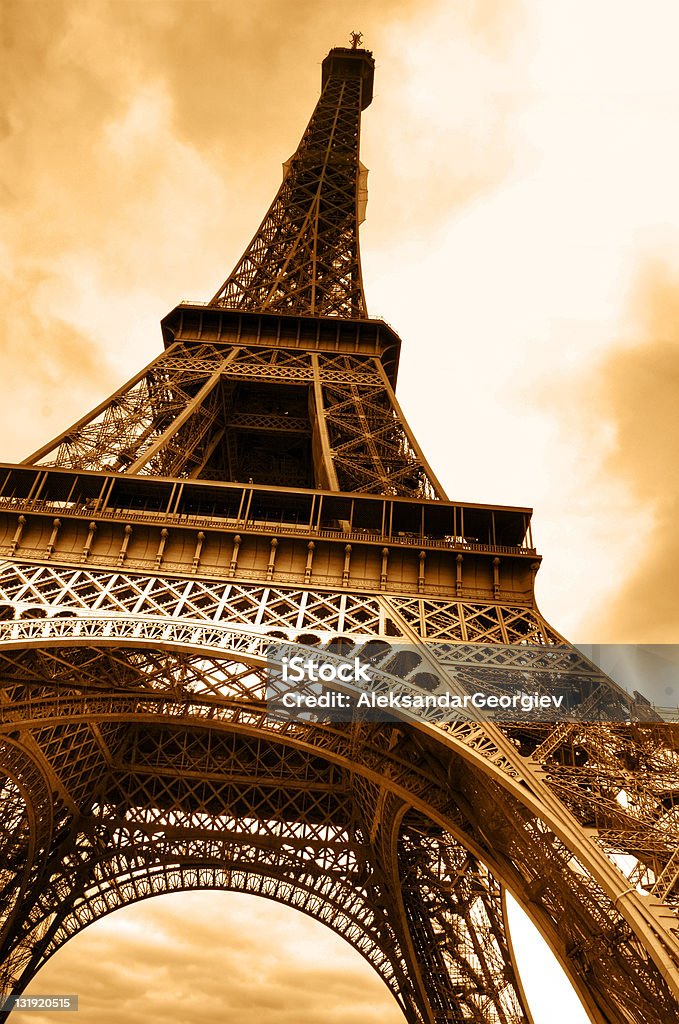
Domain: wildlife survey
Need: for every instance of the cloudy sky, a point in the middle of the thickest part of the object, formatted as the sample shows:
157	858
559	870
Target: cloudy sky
522	237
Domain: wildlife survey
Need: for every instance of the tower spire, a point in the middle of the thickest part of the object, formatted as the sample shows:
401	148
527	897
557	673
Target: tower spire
304	258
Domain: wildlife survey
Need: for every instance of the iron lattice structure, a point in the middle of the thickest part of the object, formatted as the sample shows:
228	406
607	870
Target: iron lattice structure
258	481
304	257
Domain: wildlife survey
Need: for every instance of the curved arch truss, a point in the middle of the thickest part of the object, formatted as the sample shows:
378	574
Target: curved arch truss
167	771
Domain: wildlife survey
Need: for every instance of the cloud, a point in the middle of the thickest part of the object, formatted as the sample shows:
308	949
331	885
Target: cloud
199	958
50	361
637	393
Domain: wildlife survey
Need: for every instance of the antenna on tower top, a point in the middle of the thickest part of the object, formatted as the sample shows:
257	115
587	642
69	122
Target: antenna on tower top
356	40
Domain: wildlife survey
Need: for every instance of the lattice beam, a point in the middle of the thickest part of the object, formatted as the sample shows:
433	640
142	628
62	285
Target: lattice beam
304	257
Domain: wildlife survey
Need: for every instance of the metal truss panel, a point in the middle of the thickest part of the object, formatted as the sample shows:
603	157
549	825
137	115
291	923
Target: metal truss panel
304	259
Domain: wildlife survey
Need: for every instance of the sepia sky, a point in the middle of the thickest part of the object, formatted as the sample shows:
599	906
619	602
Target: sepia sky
522	235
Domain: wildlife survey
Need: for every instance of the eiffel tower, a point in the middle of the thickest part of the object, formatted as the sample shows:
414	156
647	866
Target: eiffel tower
258	482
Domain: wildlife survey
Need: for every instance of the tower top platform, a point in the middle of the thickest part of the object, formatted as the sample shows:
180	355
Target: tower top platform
347	62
